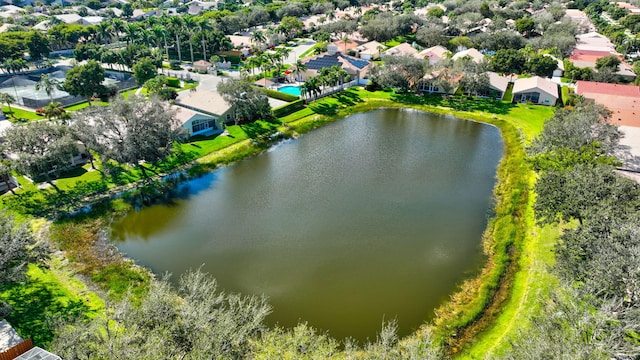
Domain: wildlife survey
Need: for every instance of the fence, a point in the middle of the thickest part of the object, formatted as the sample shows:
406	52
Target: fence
333	90
17	350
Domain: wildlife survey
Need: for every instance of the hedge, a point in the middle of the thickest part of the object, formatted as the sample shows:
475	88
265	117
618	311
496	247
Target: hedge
279	95
173	82
289	108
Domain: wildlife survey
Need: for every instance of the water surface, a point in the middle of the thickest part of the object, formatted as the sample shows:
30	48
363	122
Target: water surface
376	216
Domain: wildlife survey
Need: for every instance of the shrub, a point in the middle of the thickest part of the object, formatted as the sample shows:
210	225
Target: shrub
167	94
173	82
279	95
175	65
289	108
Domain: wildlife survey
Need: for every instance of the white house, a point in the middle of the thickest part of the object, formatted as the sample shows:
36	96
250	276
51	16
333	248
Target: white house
435	54
370	50
197	123
535	89
474	54
498	86
400	50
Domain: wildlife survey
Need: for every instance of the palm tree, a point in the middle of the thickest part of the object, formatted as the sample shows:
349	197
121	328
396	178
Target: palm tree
304	90
258	37
54	111
116	27
189	24
204	27
103	32
299	68
160	34
345	40
7	99
177	25
48	84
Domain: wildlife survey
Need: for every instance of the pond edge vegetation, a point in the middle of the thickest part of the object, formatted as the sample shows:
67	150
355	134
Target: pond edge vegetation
469	311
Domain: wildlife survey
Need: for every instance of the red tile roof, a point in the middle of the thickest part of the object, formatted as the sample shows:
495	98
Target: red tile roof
589	55
622	100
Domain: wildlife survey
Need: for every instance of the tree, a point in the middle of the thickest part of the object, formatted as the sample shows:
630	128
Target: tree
299	68
132	131
525	26
144	70
19	248
127	10
248	103
7	99
435	12
48	84
401	72
6	167
54	110
475	80
542	65
610	62
41	148
195	320
39	45
431	35
508	61
155	84
85	80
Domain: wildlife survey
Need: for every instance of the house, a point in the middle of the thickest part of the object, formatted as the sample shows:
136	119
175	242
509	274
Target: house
404	49
370	50
594	41
356	68
588	58
497	86
622	100
201	65
342	47
69	18
559	71
433	82
536	90
435	54
197	123
472	53
208	102
581	19
12	346
196	6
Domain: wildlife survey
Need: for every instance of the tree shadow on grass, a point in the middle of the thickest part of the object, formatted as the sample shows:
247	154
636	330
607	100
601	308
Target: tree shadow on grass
348	98
257	128
325	108
458	103
38	307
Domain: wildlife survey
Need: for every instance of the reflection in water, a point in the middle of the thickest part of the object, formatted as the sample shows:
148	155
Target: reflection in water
379	215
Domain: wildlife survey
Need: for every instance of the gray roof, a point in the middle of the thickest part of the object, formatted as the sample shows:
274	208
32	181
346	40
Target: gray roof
38	354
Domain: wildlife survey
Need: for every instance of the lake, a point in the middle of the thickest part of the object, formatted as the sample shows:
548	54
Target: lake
374	217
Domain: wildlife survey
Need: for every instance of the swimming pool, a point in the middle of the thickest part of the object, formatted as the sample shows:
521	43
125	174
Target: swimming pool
290	89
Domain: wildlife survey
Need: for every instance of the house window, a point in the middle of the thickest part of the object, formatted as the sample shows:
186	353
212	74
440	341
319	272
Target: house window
202	124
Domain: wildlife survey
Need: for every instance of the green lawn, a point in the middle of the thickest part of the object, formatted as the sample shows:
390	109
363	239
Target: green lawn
48	295
528	118
85	104
20	113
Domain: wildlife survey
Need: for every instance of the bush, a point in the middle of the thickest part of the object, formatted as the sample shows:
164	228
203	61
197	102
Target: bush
167	94
279	95
173	82
175	65
289	108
